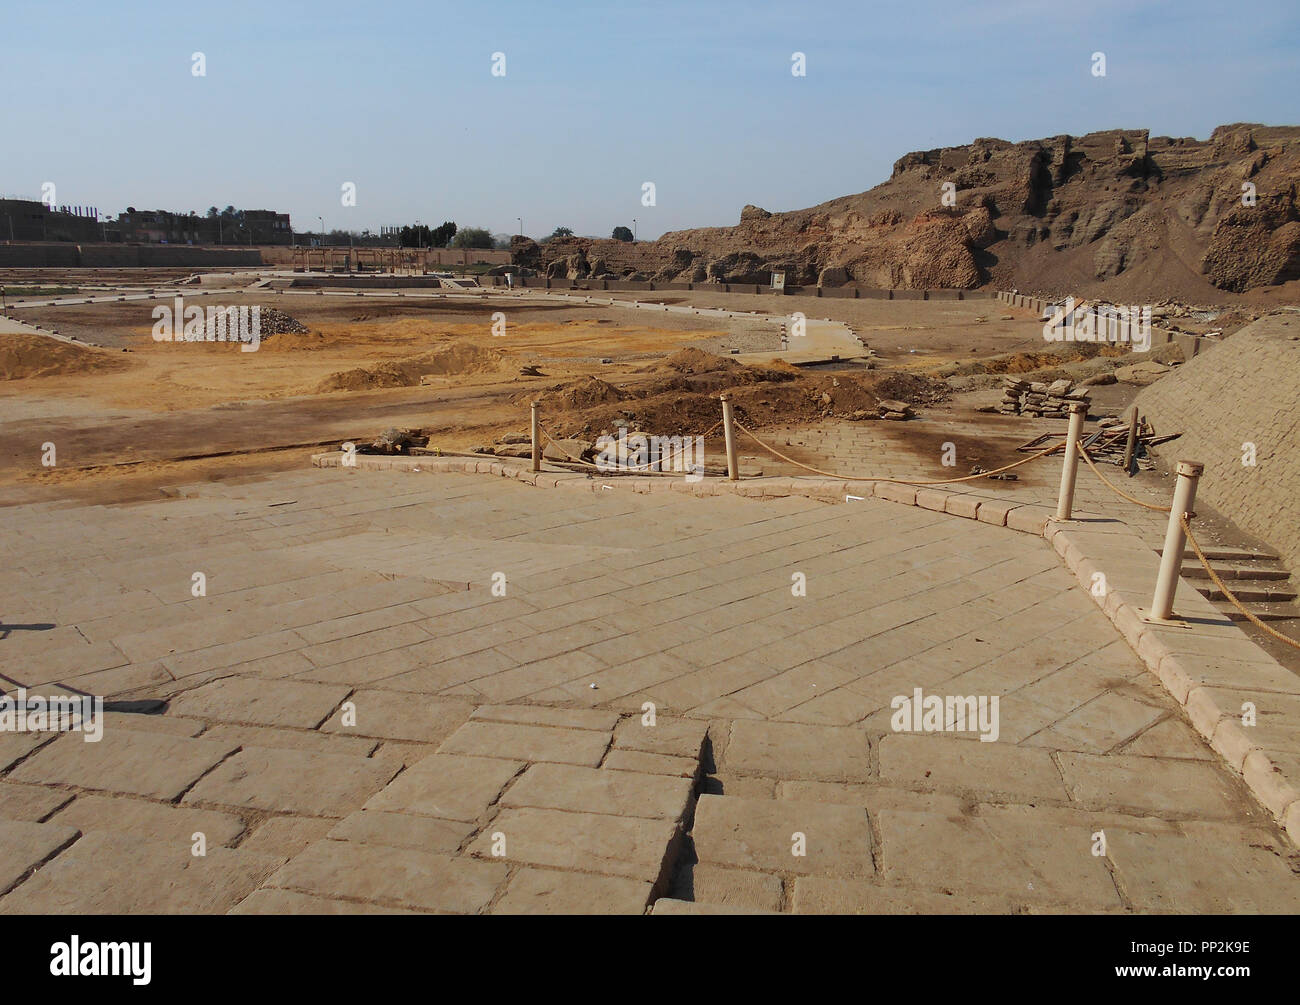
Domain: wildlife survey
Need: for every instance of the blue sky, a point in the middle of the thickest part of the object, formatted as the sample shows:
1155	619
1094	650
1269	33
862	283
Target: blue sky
697	97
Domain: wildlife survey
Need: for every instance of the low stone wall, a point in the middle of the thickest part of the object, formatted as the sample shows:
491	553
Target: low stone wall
1191	345
124	256
848	292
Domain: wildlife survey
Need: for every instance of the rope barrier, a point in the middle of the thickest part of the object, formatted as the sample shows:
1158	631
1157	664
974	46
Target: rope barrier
1116	489
1228	593
898	481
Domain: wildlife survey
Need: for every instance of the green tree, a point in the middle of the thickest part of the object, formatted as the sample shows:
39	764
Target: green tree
622	234
472	237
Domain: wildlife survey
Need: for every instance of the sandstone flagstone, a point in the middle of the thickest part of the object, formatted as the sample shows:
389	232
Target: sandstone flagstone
448	786
403	877
109	872
142	764
25	845
292	780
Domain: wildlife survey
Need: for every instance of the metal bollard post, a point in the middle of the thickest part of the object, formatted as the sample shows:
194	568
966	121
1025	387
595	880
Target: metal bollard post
1070	466
1171	559
733	466
537	437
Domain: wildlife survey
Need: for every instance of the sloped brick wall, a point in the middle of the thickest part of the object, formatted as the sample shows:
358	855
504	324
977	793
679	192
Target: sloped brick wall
1245	389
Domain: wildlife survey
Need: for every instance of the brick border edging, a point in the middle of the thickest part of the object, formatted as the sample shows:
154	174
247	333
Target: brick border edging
1221	729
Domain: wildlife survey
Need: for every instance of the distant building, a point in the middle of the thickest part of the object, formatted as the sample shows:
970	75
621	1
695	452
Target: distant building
268	226
31	220
157	226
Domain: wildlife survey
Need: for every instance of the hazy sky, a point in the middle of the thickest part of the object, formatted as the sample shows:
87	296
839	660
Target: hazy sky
697	97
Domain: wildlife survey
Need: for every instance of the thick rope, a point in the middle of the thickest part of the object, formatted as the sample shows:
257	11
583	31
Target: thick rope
897	481
1228	593
1116	489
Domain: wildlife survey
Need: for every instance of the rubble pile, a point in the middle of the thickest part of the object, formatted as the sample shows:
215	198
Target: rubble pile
276	322
1048	401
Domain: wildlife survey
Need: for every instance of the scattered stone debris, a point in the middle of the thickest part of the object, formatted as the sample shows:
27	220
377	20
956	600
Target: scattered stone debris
895	410
276	322
1043	400
1004	476
1141	374
396	441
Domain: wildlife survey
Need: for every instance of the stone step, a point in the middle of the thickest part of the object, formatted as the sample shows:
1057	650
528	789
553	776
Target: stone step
1250	594
1230	612
1227	554
1238	572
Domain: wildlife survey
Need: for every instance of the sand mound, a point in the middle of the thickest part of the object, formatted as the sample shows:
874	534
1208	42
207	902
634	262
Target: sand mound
681	396
461	358
577	395
23	356
693	360
1032	362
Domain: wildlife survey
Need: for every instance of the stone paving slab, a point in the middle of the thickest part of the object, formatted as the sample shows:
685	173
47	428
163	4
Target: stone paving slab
399	716
819	895
528	743
540	891
25	845
282	902
141	764
782	836
294	781
727	713
254	701
401	877
588	790
30	802
448	786
1021	859
158	821
634	847
115	873
402	830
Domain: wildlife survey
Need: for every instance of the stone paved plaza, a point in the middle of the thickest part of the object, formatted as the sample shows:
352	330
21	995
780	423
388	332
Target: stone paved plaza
459	693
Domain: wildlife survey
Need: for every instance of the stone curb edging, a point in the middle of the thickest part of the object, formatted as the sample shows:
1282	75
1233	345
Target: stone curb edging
1189	661
1205	665
1028	518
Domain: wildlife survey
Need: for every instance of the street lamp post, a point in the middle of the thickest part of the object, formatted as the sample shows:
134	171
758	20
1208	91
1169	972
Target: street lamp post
322	230
521	225
634	230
